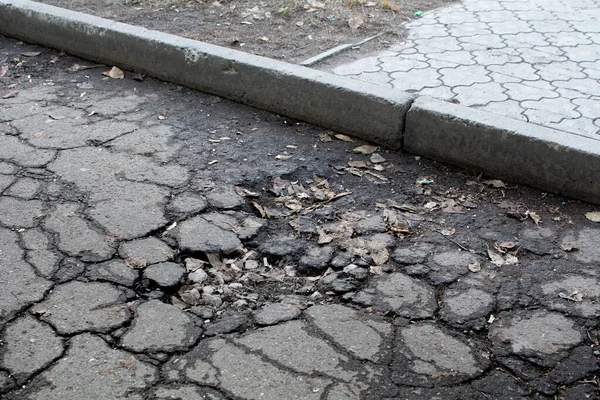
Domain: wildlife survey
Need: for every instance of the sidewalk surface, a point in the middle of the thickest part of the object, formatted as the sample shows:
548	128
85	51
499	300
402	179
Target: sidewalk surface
532	60
160	243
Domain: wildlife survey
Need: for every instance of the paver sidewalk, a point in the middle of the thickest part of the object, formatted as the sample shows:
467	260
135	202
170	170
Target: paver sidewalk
532	60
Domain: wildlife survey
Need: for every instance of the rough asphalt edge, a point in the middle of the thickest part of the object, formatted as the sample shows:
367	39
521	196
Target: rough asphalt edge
541	157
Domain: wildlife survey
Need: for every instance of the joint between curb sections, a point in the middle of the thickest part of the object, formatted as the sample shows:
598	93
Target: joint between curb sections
541	157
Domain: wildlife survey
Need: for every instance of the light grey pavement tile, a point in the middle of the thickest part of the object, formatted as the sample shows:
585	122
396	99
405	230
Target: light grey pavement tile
587	86
416	79
401	64
459	57
508	108
370	64
375	78
464	75
437	44
583	52
518	91
526	39
479	94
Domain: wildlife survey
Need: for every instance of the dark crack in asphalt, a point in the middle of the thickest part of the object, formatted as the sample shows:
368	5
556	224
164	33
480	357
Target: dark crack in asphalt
160	243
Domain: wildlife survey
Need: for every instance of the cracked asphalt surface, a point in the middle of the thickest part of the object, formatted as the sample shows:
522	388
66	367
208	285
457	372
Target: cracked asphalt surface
160	243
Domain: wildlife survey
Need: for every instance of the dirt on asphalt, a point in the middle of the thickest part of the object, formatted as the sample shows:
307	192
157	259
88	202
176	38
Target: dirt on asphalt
290	30
300	177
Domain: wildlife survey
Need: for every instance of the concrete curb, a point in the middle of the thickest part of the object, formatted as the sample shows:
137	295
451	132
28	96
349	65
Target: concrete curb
544	158
518	151
360	109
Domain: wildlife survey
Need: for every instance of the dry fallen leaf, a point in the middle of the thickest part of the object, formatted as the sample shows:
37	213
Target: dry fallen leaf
448	232
450	206
178	303
115	73
474	266
509	259
593	216
355	22
424	181
315	4
536	218
507	245
245	192
324	238
77	67
430	205
378	176
357	164
569	249
380	257
376	158
31	53
495	183
324	137
376	270
10	95
575	296
495	258
260	209
365	149
293	205
491	319
344	138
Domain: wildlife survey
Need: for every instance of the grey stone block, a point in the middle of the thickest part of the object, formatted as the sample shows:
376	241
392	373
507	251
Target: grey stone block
357	108
544	158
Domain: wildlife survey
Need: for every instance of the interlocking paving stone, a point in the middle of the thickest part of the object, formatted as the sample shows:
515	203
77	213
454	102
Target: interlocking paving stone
500	41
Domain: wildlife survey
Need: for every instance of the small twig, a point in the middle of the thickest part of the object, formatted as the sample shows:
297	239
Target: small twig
456	243
338	49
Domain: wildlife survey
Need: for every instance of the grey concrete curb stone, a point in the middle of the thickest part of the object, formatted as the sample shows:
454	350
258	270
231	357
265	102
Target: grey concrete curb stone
541	157
360	109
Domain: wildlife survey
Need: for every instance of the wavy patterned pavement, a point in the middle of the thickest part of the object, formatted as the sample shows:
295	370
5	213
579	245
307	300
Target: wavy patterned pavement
532	60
